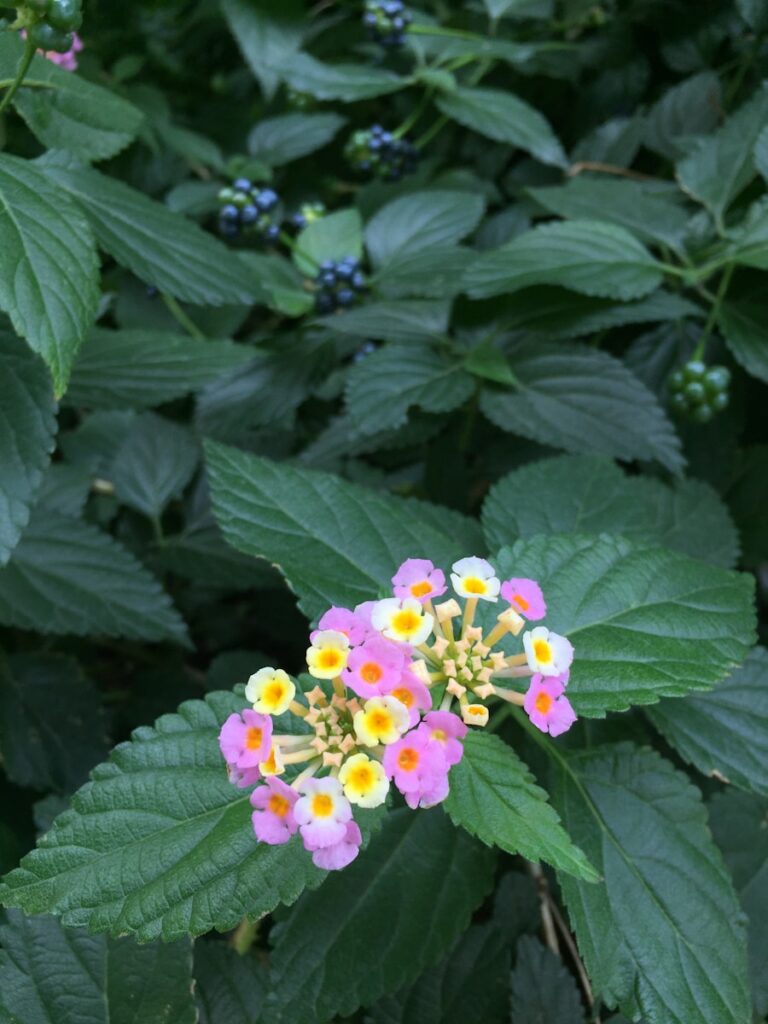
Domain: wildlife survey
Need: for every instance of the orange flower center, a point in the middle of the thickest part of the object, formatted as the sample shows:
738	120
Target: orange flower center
253	738
278	805
404	696
329	658
322	805
371	672
421	589
521	603
543	703
408	759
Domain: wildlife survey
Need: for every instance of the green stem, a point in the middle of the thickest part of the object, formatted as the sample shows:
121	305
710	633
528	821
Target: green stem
181	318
287	241
431	132
26	60
450	33
414	115
722	288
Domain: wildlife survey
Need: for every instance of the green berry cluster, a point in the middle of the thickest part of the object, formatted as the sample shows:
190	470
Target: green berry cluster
53	24
699	391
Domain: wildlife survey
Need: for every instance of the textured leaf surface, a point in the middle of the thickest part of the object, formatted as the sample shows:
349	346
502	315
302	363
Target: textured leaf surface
420	879
664	937
27	428
335	543
745	327
586	256
52	729
278	140
139	369
582	400
407	321
268	34
345	82
48	266
494	797
421	221
66	111
505	118
159	246
725	732
383	387
585	494
52	975
333	237
66	577
229	988
160	843
543	991
645	622
154	464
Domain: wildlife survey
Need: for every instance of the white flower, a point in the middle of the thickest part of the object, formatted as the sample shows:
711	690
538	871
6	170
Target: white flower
475	578
403	621
270	690
328	654
547	652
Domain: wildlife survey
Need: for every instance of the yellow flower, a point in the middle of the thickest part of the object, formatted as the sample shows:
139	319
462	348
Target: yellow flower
270	690
327	656
364	781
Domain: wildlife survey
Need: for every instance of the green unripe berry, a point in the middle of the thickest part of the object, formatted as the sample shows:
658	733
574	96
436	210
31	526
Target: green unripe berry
679	402
695	393
226	195
719	401
716	379
702	413
65	15
241	199
37	6
45	37
676	381
694	370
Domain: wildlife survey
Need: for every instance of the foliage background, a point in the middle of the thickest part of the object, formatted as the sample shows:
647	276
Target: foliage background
590	204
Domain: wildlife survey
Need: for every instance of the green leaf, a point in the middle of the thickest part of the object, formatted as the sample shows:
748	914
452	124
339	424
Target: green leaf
336	951
582	400
427	274
384	386
494	797
664	936
689	109
724	733
202	555
504	117
397	320
720	166
49	269
749	241
27	429
94	444
585	256
269	35
645	622
345	82
419	222
66	111
755	13
279	140
333	237
543	991
744	326
747	496
738	824
278	284
489	363
761	147
160	844
650	215
159	246
154	464
584	494
469	984
141	368
52	730
229	988
65	489
336	543
66	577
50	974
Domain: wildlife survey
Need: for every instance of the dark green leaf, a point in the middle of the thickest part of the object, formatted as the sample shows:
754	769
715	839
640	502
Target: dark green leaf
429	274
397	320
67	577
345	82
154	464
27	428
543	991
745	329
494	797
51	725
278	140
278	284
489	363
755	13
65	489
269	34
48	266
333	237
203	556
421	221
229	988
692	107
336	951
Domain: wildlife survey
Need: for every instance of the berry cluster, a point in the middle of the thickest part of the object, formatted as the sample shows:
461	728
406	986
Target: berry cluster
308	213
379	152
337	283
55	25
386	21
699	391
246	209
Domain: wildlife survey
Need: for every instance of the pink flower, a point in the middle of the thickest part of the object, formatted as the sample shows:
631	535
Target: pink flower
374	666
416	766
243	778
546	706
68	60
430	794
342	620
273	819
364	611
411	692
322	813
446	731
417	577
246	740
525	597
335	857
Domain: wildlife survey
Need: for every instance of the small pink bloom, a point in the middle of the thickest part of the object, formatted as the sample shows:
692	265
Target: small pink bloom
335	857
415	765
546	706
446	730
322	813
374	666
411	692
273	819
68	60
342	620
243	778
525	597
364	611
433	792
417	577
246	740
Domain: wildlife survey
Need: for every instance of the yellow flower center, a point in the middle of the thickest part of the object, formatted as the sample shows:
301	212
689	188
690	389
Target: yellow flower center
322	805
404	696
379	721
421	589
474	585
406	621
439	734
363	777
543	703
269	767
274	692
476	709
278	805
253	738
408	759
329	658
371	672
543	650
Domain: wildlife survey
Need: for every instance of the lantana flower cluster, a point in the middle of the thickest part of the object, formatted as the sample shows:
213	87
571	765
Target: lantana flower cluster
398	683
